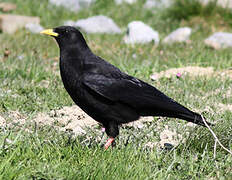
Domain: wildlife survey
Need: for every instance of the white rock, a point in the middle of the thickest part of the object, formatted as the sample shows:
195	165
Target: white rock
98	24
138	32
157	4
219	40
72	5
34	28
179	35
126	1
70	118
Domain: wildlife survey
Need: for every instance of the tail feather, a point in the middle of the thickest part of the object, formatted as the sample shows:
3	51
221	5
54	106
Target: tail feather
194	118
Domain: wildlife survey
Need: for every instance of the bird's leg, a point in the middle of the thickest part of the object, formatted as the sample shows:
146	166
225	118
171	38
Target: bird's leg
109	142
112	131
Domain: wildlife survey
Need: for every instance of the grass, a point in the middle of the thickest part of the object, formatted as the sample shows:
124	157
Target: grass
30	83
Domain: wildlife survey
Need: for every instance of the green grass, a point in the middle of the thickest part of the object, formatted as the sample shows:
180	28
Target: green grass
30	83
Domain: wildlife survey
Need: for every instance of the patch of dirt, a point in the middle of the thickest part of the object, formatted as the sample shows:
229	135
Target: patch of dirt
226	73
225	107
66	119
2	121
211	93
192	71
17	118
140	123
169	137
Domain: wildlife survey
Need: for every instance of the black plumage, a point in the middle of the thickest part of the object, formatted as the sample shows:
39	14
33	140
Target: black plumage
108	95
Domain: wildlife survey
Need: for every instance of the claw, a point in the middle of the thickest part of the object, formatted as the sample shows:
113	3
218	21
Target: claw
109	143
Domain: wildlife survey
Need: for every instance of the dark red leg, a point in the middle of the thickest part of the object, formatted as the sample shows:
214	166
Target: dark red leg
112	131
109	142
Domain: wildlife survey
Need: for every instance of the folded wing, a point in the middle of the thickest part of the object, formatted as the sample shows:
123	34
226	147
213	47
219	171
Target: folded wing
146	99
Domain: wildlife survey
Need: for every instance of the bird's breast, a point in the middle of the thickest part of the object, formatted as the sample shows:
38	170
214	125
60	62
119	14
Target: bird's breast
72	79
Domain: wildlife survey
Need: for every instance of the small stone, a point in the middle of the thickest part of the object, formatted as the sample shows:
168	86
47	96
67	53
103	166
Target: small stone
168	146
154	77
5	7
34	28
179	35
138	32
98	24
10	23
219	40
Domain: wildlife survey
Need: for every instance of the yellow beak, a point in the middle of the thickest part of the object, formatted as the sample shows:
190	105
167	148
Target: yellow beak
49	32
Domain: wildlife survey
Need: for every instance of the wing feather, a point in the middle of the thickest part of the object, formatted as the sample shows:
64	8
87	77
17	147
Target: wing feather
133	92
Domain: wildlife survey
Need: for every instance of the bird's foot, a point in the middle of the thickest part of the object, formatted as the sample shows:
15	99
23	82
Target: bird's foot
109	142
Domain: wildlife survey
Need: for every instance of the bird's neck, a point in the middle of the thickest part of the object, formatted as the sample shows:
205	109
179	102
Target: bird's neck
74	52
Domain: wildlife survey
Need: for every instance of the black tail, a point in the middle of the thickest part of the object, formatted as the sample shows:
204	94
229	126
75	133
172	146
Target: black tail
194	118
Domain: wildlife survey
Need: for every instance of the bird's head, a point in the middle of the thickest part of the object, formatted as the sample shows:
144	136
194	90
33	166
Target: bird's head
66	36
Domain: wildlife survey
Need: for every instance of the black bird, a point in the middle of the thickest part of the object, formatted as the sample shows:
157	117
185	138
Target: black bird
107	94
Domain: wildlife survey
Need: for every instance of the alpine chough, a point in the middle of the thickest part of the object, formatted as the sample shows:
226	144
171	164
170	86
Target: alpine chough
105	93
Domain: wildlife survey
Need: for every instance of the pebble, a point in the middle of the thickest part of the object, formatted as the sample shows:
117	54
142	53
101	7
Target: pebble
97	24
